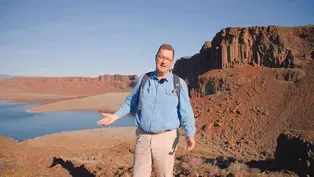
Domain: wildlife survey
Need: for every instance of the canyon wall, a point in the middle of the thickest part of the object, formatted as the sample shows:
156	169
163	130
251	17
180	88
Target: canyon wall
271	46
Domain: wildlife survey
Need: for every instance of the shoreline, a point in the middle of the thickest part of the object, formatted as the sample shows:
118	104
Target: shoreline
17	96
108	102
114	132
101	132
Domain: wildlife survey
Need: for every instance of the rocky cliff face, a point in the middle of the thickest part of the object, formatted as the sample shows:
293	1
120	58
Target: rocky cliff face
270	46
236	52
80	86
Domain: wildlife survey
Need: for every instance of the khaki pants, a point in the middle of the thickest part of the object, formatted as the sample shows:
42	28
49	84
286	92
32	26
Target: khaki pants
158	150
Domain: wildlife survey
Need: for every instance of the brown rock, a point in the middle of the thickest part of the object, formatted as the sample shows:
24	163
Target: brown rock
261	46
291	75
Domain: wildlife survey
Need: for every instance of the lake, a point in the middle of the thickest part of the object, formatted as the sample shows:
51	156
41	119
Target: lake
18	124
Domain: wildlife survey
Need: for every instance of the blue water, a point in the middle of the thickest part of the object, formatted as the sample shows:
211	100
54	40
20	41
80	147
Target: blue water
18	124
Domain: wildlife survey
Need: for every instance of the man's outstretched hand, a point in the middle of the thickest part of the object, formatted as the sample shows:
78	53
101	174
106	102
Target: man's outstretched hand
107	119
190	143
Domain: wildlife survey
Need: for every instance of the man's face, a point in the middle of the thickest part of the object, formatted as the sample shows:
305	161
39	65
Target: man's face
164	60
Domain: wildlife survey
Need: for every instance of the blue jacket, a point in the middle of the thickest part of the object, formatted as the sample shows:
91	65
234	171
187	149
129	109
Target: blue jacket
160	109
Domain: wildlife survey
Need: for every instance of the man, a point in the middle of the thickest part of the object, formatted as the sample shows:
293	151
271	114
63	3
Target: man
159	113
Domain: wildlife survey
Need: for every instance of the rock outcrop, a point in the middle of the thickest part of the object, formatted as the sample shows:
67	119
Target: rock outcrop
117	77
270	46
290	74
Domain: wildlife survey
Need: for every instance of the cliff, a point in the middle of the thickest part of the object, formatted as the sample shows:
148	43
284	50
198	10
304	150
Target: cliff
270	46
235	56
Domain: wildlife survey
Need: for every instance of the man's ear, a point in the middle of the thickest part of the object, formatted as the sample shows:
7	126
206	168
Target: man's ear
172	63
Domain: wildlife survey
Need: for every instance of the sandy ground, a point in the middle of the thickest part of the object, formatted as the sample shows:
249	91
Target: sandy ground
106	102
92	138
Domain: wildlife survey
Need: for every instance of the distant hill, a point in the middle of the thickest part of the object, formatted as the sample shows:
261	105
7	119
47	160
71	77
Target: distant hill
82	86
5	76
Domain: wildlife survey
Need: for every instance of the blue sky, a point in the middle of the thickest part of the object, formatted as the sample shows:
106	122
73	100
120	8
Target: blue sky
95	37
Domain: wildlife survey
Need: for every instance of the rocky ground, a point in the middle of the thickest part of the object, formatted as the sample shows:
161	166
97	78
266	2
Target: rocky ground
103	152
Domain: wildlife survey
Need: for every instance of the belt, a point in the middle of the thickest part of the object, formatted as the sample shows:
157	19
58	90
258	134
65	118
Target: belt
155	133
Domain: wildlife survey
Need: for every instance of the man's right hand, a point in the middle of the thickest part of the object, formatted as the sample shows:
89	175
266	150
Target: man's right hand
107	119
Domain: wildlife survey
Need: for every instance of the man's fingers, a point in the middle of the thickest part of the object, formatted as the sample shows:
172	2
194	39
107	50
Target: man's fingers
101	121
190	145
104	121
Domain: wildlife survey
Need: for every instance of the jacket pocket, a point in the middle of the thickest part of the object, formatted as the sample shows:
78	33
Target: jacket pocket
171	98
171	93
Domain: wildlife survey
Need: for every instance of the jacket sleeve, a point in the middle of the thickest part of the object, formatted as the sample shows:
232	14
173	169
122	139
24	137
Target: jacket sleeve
131	100
185	110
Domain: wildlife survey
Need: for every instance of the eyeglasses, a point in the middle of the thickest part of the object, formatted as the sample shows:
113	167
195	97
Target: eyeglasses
160	57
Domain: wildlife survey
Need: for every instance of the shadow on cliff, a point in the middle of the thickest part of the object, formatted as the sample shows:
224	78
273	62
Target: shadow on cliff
80	171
